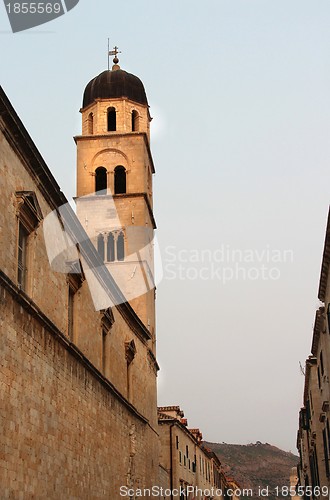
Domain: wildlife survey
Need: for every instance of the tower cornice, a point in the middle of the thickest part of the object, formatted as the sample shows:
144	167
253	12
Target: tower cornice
126	195
114	100
146	199
112	135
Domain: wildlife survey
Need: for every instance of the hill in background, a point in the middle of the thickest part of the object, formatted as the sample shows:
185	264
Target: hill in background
256	465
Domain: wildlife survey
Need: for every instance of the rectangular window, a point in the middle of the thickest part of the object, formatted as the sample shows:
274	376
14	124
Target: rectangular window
74	281
70	313
21	256
104	350
106	324
28	217
130	351
177	442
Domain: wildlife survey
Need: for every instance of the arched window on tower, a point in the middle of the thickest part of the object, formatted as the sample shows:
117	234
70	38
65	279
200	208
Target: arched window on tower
90	123
135	121
120	180
112	125
120	247
101	181
111	248
100	245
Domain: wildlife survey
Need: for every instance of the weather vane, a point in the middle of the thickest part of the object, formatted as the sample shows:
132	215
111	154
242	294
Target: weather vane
113	52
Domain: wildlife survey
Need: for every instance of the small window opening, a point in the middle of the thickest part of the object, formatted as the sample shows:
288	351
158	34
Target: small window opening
101	181
130	351
135	121
104	349
120	247
29	215
90	123
70	312
111	248
75	279
120	180
100	245
22	244
112	125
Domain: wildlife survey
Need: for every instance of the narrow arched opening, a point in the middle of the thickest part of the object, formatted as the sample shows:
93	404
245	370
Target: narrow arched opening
135	121
120	180
120	247
111	248
100	246
90	123
112	120
101	181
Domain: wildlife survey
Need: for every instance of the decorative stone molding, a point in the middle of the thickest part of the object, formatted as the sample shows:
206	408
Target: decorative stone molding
28	209
130	351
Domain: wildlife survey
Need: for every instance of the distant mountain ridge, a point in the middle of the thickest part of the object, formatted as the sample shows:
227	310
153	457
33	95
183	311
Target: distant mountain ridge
256	465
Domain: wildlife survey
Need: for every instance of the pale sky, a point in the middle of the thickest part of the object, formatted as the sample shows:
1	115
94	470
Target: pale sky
240	95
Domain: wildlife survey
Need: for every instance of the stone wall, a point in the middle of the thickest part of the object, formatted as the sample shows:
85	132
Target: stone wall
64	431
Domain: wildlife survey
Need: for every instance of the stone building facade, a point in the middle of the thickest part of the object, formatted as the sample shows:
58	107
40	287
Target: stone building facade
78	382
313	438
191	470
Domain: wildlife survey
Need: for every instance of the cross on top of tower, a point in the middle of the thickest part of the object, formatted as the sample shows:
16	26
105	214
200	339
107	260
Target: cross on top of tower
113	52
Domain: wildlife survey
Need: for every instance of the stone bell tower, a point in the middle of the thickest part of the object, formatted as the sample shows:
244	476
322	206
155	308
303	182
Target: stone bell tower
114	184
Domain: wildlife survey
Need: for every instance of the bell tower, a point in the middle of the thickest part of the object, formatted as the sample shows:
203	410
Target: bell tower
114	184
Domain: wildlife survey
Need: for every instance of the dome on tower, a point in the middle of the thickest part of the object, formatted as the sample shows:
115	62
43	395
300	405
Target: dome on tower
115	83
